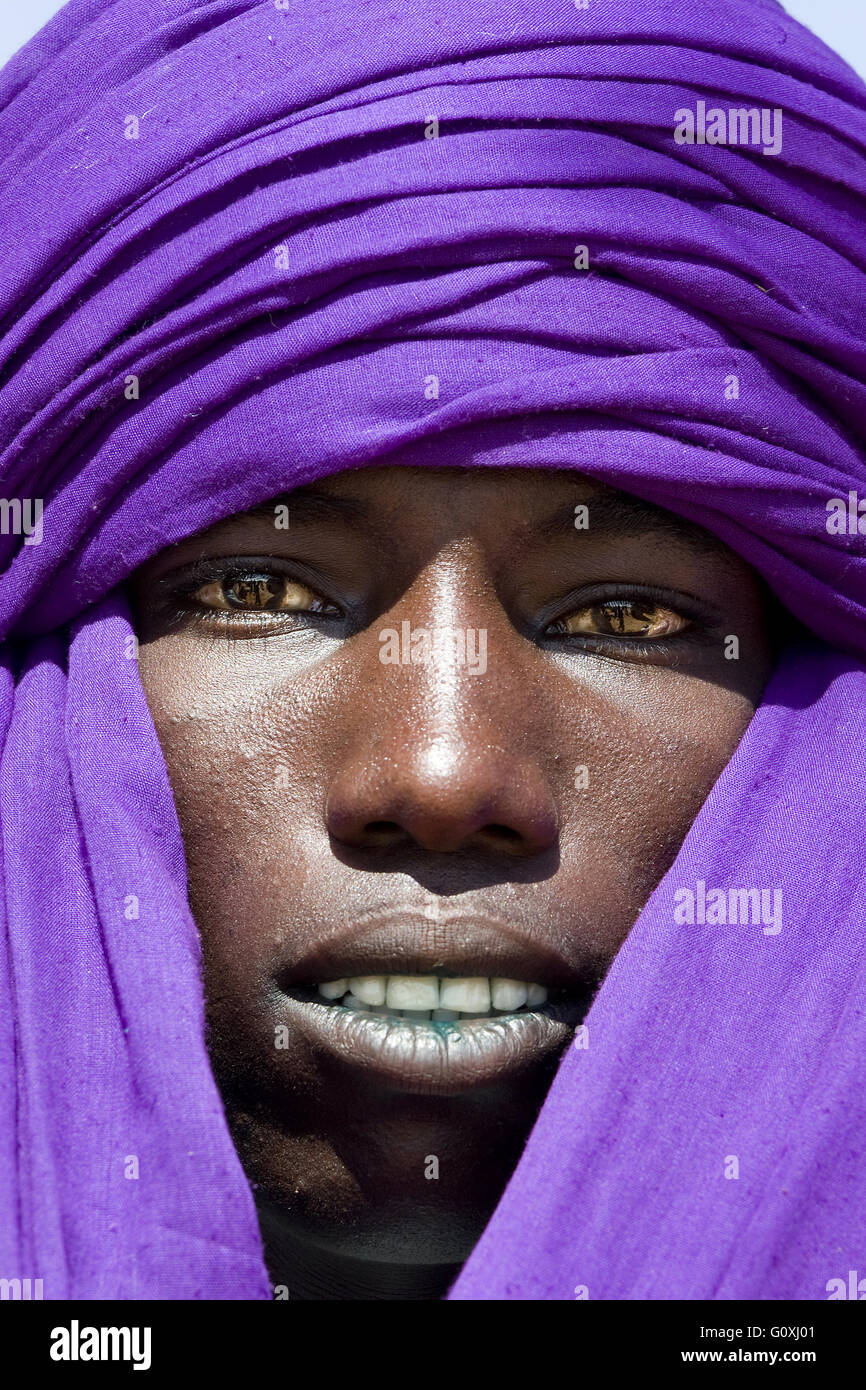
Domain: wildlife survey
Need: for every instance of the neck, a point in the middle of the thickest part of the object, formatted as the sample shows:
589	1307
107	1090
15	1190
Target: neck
307	1271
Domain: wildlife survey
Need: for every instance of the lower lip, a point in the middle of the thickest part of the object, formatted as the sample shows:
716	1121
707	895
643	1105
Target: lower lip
433	1058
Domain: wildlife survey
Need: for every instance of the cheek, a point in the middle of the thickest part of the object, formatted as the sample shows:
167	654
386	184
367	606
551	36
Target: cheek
629	753
244	787
248	746
646	748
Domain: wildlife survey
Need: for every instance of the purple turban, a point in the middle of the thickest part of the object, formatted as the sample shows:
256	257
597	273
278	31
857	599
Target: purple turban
241	238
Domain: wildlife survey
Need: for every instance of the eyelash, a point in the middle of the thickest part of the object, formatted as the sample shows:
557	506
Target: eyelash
179	608
179	593
685	606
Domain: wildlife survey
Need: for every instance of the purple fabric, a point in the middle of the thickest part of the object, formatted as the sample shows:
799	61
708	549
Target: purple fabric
281	258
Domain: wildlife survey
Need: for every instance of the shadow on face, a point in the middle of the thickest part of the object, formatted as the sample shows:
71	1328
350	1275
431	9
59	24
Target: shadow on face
434	738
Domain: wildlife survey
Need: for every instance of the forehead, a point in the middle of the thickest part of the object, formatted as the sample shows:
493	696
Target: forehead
528	504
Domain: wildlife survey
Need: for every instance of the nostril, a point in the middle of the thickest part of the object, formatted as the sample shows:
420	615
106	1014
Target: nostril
446	814
503	832
383	828
491	836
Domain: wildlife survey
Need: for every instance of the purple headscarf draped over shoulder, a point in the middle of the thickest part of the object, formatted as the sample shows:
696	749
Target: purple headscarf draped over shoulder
239	237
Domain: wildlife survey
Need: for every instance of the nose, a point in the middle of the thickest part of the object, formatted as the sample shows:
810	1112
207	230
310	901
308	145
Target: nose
438	796
445	760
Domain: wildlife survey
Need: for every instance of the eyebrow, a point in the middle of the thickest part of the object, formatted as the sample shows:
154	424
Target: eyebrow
610	514
622	514
310	506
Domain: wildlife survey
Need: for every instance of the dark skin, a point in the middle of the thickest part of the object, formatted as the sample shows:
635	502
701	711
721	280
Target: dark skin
315	784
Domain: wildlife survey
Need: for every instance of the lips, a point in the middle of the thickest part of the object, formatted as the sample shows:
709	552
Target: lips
436	1054
432	942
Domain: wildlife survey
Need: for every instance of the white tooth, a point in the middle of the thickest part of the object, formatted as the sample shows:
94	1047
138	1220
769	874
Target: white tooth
445	1015
334	989
370	988
412	992
536	994
507	994
466	996
417	1014
350	1002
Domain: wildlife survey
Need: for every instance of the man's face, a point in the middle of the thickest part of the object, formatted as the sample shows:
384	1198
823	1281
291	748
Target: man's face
440	729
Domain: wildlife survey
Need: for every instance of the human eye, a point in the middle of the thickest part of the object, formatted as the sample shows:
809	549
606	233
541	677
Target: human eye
635	621
624	618
257	591
244	598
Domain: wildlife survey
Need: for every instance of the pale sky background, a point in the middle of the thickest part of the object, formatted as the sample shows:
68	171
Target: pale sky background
840	23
